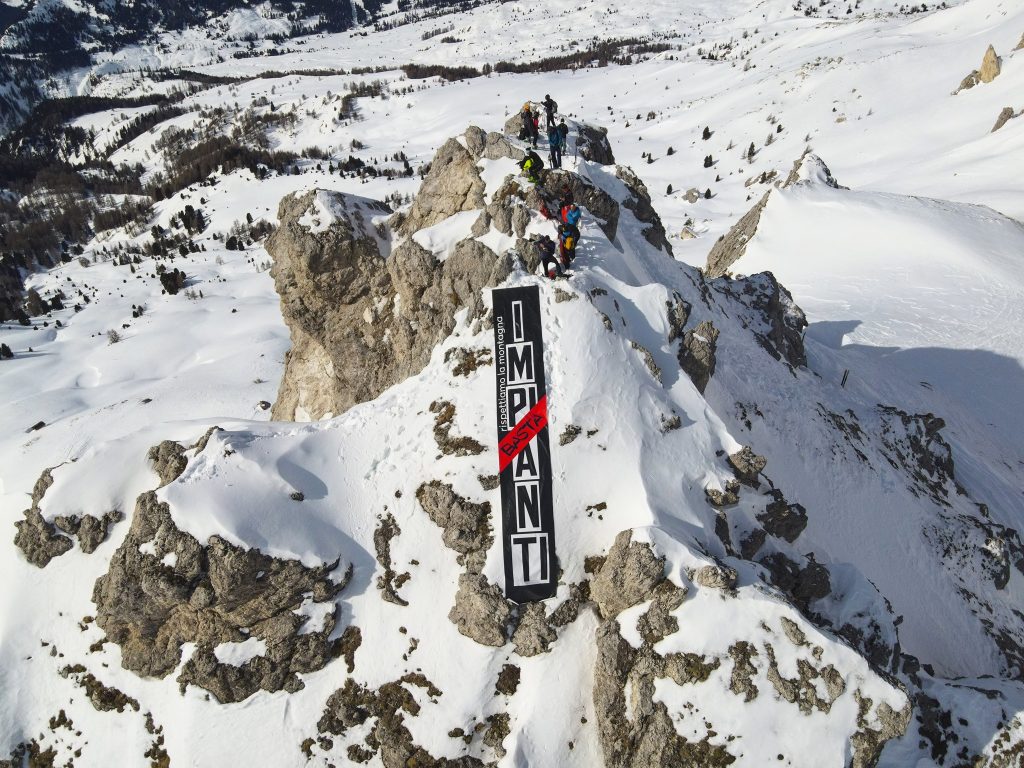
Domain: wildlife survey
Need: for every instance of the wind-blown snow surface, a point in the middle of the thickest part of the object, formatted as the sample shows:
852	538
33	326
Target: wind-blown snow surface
919	297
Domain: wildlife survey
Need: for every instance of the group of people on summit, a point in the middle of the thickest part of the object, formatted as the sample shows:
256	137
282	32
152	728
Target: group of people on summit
558	133
555	258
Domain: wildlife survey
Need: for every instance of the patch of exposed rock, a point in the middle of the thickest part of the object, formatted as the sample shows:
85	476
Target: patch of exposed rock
747	466
733	244
361	318
389	581
452	185
782	519
164	589
466	525
639	203
481	611
630	572
533	635
810	169
168	460
716	577
593	144
697	354
1005	115
37	537
385	710
991	66
776	321
41	540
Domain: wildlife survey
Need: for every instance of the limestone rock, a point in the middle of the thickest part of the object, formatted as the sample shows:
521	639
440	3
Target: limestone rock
692	195
1005	116
169	461
211	594
481	612
730	247
991	65
697	354
782	519
629	574
363	318
466	525
723	498
452	185
747	466
777	322
534	635
716	577
639	203
593	145
810	169
39	540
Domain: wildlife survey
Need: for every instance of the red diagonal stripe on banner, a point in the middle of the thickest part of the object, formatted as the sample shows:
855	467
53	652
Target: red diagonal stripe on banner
528	428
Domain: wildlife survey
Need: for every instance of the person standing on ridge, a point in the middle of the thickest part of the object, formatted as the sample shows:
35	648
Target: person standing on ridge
529	125
568	236
563	131
550	107
546	251
555	146
571	214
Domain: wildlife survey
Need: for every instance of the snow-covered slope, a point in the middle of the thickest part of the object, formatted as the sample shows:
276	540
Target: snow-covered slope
858	603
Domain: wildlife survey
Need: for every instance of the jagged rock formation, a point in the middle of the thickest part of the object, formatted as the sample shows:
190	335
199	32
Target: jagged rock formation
697	354
36	537
629	573
362	318
164	588
729	248
40	539
1005	115
991	65
810	169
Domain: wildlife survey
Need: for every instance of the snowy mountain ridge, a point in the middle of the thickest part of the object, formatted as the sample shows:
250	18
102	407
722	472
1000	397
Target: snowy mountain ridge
787	511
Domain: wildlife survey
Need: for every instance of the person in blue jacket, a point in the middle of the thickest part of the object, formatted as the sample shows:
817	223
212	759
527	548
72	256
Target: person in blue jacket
571	214
555	146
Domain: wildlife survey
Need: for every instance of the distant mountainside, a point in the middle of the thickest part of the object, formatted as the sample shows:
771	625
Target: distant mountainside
39	40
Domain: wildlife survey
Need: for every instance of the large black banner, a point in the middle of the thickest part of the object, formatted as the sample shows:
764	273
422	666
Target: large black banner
524	454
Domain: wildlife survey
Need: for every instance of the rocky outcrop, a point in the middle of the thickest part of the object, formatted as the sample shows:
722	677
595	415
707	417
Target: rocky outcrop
41	540
362	320
991	66
732	245
452	185
481	612
168	460
697	354
776	321
466	525
747	466
629	573
593	144
1005	115
810	169
639	203
164	588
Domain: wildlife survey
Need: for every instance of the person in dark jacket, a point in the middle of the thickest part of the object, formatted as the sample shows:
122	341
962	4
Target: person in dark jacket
532	166
546	251
529	132
550	108
568	237
563	131
555	147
